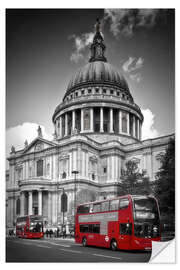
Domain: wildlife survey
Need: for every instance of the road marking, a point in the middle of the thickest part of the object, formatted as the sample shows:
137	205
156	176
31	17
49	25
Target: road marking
27	244
42	246
55	244
16	241
34	240
111	257
70	250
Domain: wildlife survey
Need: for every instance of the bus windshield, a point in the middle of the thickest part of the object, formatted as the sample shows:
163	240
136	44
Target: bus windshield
36	224
146	218
145	209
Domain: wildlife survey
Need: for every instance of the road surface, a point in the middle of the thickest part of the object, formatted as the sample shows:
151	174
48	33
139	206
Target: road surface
66	250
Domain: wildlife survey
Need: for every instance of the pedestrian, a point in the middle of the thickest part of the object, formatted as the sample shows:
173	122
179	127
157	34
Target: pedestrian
51	233
47	233
64	232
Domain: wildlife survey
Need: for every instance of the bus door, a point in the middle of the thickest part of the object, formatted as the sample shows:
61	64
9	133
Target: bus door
125	235
94	234
112	231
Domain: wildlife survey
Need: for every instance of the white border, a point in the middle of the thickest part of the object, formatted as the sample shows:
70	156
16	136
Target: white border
73	4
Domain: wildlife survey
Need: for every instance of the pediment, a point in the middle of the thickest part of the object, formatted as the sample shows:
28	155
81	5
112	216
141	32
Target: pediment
37	145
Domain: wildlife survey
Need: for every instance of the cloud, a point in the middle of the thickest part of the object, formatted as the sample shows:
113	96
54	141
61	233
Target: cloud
17	135
148	130
131	66
126	21
80	44
136	77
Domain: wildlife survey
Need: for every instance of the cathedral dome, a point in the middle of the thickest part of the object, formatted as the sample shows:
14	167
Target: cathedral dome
97	72
98	100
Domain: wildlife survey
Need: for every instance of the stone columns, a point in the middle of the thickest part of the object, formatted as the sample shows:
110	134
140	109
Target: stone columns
57	127
112	167
128	123
23	171
49	207
22	203
39	202
73	120
66	124
111	121
140	131
138	128
134	126
92	119
120	121
82	120
87	164
30	203
60	127
101	120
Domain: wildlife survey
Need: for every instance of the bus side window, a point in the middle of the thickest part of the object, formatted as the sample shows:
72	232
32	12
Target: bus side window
83	209
126	228
91	208
90	228
123	203
114	205
96	207
84	228
96	228
105	206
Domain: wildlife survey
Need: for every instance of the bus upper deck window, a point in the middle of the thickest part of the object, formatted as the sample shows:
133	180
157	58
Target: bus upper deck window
83	209
123	203
96	207
114	205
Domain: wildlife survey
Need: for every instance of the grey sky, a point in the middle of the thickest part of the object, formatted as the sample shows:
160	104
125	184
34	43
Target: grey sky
39	62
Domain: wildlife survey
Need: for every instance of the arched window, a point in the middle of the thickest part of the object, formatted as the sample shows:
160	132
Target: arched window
124	122
64	202
93	176
40	167
18	206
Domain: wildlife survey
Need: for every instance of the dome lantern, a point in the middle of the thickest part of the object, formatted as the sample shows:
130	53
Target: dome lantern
97	47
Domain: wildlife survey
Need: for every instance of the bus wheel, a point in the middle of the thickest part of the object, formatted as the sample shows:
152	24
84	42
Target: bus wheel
84	242
114	245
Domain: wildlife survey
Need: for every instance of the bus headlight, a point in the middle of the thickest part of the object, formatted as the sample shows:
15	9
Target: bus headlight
155	229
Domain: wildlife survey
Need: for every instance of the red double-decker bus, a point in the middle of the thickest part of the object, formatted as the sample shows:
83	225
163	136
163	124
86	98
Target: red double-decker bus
128	222
29	227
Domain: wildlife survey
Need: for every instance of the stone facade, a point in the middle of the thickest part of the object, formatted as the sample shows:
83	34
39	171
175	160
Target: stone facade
97	128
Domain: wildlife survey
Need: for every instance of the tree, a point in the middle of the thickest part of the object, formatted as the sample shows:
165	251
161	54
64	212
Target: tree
165	182
133	181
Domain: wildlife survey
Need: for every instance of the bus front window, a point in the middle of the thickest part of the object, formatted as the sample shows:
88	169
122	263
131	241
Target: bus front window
146	218
36	227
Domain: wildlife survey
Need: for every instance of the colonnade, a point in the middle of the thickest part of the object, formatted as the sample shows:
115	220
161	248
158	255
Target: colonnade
120	126
30	203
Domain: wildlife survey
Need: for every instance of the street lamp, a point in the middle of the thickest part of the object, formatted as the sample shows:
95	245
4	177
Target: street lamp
75	172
